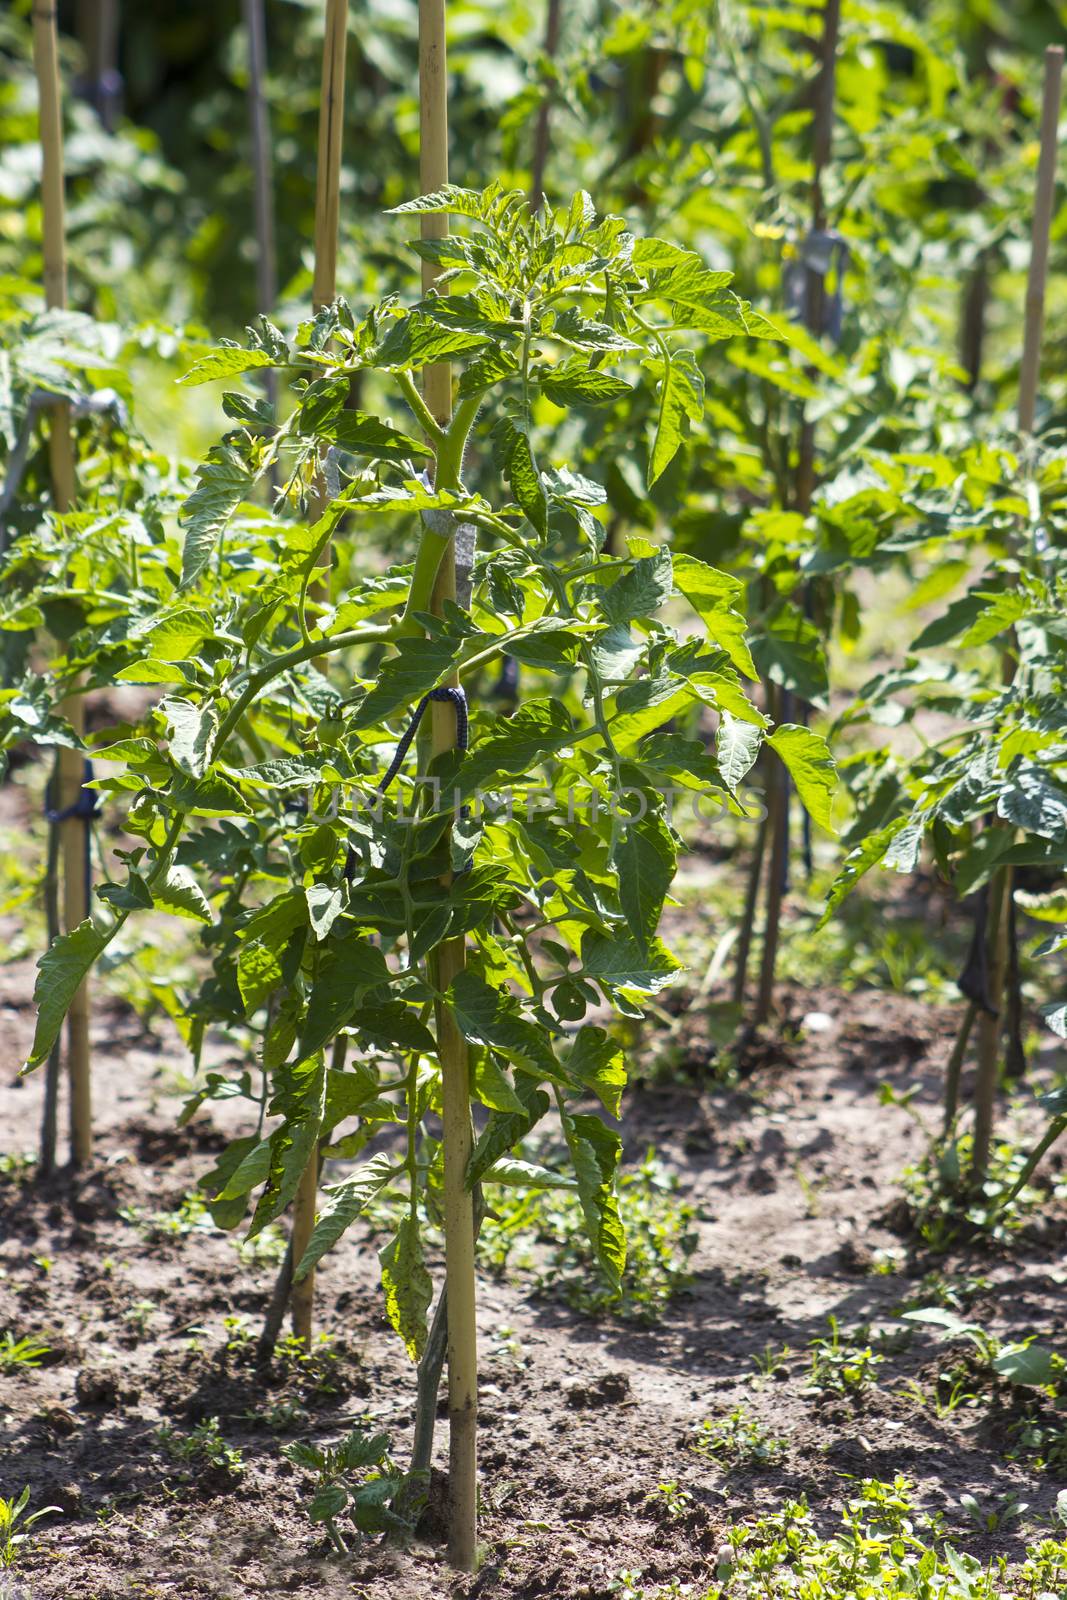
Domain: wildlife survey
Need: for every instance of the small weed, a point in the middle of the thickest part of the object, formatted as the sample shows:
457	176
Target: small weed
283	1417
138	1314
739	1440
842	1364
20	1353
678	1501
994	1515
12	1535
771	1363
946	1210
205	1446
18	1165
266	1249
660	1240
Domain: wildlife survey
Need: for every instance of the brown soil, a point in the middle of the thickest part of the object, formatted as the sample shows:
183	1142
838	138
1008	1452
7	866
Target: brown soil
796	1173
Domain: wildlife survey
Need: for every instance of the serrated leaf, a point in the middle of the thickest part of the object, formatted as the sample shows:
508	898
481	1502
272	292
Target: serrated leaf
259	973
622	963
179	892
191	733
718	600
641	590
60	973
737	744
223	481
574	384
324	902
810	765
595	1152
858	862
346	970
345	1202
1034	801
681	400
504	1130
415	340
493	1017
644	858
519	1174
404	678
367	436
526	482
597	1061
225	361
408	1286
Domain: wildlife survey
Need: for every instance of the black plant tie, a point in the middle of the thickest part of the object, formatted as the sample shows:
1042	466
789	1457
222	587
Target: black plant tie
454	697
457	699
85	806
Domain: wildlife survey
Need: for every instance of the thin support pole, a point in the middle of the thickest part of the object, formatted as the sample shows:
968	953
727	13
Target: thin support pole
1044	198
327	225
450	956
544	110
74	830
262	172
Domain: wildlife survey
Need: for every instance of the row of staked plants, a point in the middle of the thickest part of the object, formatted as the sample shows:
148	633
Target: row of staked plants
264	792
609	389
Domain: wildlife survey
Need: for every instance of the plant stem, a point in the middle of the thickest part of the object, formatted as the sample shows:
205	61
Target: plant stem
954	1069
293	658
49	1118
74	832
778	837
748	916
990	1023
449	957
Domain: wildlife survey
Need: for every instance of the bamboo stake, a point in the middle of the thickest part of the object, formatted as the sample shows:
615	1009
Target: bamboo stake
327	224
1039	237
262	170
450	956
777	792
1000	891
328	176
74	831
544	112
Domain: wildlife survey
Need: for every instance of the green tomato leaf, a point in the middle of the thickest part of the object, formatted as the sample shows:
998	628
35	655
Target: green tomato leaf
408	1286
344	1203
810	765
60	973
681	401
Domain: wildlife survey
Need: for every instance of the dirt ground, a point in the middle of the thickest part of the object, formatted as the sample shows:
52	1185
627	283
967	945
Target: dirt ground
796	1173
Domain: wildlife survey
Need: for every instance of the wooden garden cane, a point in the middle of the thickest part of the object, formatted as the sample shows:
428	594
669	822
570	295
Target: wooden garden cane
1000	889
262	172
327	224
450	955
70	767
777	821
544	111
